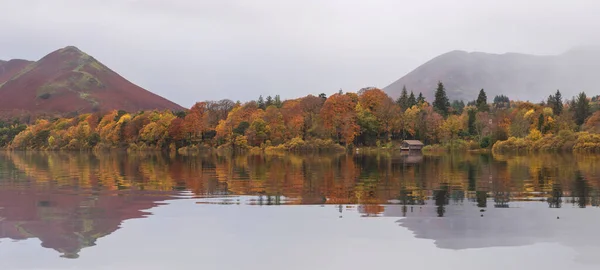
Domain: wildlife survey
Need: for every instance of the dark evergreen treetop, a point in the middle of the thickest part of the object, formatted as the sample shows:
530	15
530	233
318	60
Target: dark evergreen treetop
412	101
403	99
261	102
581	108
420	99
501	101
268	101
441	104
555	102
482	104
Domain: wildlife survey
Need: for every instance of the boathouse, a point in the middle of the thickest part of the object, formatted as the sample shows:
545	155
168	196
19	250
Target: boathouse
412	145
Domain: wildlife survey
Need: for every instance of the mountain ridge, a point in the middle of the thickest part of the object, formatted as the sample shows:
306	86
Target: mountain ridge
517	75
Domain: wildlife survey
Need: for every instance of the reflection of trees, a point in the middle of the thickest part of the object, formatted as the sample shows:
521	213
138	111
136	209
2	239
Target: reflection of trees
481	198
441	199
555	199
501	199
580	191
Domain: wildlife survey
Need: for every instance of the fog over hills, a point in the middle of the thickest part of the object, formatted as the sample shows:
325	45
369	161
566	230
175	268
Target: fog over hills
519	76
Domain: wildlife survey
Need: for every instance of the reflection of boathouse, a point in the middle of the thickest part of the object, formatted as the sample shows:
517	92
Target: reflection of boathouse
411	157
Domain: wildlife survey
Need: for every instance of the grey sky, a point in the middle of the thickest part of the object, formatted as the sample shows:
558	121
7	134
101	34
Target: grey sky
192	50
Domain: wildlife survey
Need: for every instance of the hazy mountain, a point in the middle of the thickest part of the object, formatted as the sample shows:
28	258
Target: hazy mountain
519	76
69	80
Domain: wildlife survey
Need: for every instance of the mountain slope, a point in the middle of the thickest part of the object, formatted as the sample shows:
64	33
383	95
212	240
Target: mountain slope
10	68
519	76
68	80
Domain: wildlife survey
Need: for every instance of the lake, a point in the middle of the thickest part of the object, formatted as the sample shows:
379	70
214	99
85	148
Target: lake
62	210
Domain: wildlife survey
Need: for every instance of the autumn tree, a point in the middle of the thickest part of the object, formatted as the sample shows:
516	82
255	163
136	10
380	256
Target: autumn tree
369	126
339	117
177	131
237	121
217	111
157	131
277	129
311	107
592	124
293	118
441	104
257	132
520	125
409	123
381	106
483	125
429	125
451	127
196	122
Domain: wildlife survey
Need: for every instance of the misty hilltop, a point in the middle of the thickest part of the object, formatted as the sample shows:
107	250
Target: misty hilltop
518	76
69	80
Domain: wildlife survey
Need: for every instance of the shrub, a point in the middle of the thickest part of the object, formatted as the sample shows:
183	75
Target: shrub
587	143
513	144
485	142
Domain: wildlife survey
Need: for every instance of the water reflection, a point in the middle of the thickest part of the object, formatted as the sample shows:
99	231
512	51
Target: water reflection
69	200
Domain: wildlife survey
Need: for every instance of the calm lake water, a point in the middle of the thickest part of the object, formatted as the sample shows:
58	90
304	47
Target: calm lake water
370	211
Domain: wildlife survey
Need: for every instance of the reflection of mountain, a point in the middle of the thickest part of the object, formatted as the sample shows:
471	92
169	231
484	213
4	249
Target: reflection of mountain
67	222
525	223
65	214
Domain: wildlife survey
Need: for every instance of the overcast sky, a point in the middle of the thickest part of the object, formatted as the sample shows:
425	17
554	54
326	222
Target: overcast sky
193	50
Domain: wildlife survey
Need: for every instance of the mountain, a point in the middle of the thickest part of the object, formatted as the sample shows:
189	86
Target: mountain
518	76
69	80
10	68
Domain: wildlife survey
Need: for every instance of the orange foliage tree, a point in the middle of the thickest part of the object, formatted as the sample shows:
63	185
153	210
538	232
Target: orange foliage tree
339	117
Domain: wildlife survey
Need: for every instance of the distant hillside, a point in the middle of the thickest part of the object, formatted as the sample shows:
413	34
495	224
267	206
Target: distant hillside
68	80
519	76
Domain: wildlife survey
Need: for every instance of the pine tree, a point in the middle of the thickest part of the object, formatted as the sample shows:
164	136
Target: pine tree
458	106
420	99
441	103
501	101
558	104
412	101
581	108
482	104
261	102
277	101
269	101
403	99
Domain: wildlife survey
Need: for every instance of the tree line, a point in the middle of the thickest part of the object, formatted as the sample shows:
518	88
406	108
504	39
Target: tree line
368	117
